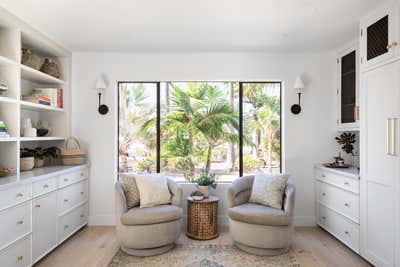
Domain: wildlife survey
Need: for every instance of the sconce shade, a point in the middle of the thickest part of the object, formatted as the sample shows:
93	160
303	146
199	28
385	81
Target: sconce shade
100	84
299	85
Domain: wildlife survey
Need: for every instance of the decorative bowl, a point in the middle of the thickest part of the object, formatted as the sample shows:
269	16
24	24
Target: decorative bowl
198	198
42	132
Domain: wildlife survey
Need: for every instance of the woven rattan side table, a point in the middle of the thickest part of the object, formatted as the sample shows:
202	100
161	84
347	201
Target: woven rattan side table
202	219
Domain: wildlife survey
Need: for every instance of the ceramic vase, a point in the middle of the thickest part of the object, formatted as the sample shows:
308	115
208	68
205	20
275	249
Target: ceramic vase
203	189
27	164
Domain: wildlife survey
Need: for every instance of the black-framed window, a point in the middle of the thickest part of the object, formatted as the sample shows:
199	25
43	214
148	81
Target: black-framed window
228	128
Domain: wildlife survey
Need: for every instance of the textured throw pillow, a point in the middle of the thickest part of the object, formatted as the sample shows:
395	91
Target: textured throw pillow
153	190
268	189
130	189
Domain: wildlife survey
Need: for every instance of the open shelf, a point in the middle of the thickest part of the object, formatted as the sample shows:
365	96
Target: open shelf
8	139
33	75
38	139
7	62
38	107
7	100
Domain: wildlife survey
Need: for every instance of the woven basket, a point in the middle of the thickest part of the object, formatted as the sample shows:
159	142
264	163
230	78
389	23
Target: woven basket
72	154
203	219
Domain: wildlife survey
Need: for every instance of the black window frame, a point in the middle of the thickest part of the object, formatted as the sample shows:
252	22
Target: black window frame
158	118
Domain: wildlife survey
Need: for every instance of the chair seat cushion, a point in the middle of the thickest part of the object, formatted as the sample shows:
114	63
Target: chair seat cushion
259	214
151	215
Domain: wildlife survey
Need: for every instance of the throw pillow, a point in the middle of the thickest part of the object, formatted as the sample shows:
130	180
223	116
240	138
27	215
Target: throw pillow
130	189
153	190
268	189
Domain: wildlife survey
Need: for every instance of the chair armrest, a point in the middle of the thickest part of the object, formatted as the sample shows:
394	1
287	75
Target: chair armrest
176	191
120	200
288	203
239	191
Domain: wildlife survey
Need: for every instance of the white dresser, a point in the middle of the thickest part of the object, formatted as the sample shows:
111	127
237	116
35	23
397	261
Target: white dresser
337	204
41	211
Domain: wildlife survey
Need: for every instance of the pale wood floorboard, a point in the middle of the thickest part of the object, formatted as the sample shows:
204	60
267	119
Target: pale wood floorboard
95	246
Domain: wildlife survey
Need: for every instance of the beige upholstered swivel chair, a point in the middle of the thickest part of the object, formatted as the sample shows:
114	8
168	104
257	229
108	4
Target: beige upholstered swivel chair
148	231
256	228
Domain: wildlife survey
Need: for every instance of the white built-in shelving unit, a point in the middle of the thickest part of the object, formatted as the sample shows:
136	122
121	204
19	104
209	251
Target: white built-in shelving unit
20	79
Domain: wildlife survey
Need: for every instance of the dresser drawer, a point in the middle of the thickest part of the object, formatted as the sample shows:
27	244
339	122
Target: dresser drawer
15	222
71	222
342	228
73	177
344	182
71	196
18	254
342	201
44	186
15	195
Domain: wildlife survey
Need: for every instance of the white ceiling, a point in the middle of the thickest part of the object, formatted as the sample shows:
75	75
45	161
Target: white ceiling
195	25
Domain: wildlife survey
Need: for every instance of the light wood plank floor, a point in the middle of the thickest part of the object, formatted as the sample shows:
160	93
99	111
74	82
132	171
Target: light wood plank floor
95	246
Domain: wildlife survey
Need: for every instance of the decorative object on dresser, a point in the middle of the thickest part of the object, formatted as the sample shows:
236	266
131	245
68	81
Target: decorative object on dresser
197	195
3	89
204	180
3	130
101	85
148	231
28	130
202	218
6	171
50	67
26	160
256	228
43	128
299	88
72	153
338	203
41	154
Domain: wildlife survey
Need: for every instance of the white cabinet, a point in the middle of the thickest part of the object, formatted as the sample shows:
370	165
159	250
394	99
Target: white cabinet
44	237
337	204
380	165
348	88
380	36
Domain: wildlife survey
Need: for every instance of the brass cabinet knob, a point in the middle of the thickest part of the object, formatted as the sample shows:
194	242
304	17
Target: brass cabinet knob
346	232
82	174
392	45
66	226
346	183
65	200
20	258
65	179
323	175
82	215
46	186
20	222
20	195
37	206
323	194
347	205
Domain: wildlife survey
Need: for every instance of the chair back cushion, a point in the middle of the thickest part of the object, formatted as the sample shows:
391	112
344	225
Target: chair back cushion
153	189
268	189
131	191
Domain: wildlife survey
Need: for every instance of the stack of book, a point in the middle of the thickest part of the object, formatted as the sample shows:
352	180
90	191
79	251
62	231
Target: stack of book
3	130
46	96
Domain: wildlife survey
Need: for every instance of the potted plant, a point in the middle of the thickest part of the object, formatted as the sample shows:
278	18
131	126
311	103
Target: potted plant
41	154
204	180
26	160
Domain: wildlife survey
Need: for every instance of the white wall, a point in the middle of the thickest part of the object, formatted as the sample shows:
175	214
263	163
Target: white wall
308	137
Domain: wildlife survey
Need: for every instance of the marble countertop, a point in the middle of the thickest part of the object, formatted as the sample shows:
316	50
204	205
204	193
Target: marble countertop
351	172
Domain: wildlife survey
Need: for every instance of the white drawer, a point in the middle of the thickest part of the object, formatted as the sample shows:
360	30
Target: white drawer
73	177
71	196
342	228
44	186
342	201
15	195
18	254
344	182
71	222
15	222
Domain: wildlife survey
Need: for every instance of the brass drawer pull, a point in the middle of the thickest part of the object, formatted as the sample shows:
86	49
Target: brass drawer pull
346	232
19	195
20	258
20	222
346	183
323	194
347	205
82	215
46	186
65	200
37	206
323	175
82	193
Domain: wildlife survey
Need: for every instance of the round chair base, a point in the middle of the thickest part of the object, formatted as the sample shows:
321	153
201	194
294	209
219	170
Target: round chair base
147	252
261	251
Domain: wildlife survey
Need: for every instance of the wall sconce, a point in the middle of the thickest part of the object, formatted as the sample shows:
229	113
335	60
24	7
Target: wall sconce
100	87
299	88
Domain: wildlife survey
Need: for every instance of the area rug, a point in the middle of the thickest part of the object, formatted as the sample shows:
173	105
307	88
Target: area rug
203	256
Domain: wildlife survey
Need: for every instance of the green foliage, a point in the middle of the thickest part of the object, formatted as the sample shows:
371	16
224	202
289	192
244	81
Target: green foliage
144	165
204	178
26	153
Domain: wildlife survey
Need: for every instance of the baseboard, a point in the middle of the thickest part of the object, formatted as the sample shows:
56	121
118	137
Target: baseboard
105	219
